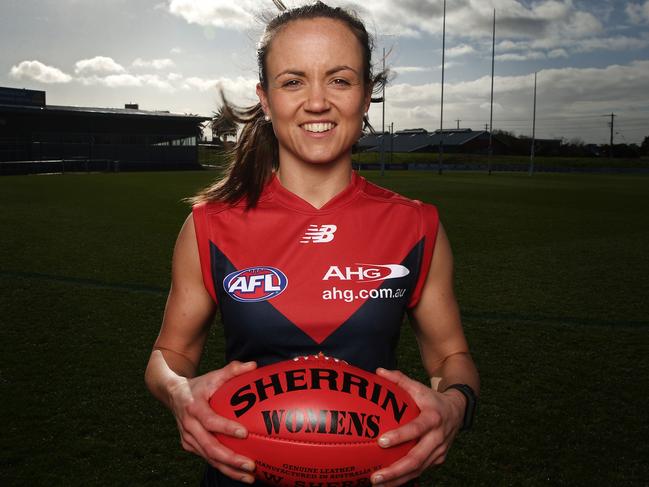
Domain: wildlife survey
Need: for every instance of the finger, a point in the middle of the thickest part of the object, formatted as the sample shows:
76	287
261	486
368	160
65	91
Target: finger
411	386
189	447
219	453
439	455
217	378
413	462
190	444
234	474
399	481
216	423
235	368
413	430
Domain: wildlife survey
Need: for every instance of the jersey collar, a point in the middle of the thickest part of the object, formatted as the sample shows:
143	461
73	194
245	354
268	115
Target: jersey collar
278	193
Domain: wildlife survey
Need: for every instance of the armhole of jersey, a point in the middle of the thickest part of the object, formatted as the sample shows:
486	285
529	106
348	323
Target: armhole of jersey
201	228
429	226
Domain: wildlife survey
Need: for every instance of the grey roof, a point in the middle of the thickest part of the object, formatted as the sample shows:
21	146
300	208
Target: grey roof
126	112
411	142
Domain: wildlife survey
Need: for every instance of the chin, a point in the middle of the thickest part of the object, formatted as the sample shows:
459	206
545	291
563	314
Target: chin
324	160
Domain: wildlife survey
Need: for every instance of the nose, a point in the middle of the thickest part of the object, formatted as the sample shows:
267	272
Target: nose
316	100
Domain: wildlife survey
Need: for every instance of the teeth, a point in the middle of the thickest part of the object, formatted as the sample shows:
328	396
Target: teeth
318	127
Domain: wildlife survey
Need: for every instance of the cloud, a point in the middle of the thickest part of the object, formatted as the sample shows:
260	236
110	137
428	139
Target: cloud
175	50
530	55
200	84
410	69
126	80
576	97
539	29
104	71
619	43
98	65
153	63
37	71
460	50
474	18
637	13
114	80
219	13
557	53
239	90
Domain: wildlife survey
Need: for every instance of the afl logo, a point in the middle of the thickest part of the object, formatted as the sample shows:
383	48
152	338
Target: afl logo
255	284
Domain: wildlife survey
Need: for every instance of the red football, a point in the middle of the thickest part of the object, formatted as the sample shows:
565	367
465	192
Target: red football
314	421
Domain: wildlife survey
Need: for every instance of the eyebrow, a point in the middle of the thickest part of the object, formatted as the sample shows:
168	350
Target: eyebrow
335	69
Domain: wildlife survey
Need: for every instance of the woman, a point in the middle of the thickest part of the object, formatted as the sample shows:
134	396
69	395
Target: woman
302	255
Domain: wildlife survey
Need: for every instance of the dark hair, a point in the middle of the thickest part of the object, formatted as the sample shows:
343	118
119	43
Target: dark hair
256	153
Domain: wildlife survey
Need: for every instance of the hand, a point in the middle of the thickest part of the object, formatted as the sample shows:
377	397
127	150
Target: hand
435	428
197	422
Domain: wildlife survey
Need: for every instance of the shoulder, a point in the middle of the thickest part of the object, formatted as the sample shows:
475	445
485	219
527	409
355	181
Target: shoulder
386	196
212	207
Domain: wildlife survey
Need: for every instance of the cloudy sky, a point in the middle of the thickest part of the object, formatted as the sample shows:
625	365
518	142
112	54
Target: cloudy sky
592	59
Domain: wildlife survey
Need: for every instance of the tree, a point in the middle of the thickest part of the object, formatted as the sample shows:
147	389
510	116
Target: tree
222	126
644	147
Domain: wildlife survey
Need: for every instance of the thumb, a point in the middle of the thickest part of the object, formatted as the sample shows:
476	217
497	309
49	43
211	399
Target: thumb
217	378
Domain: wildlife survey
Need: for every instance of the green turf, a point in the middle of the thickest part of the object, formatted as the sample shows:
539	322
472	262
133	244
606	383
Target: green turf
211	157
551	276
540	162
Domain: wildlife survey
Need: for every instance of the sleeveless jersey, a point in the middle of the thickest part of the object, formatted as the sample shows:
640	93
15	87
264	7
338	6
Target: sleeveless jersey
291	279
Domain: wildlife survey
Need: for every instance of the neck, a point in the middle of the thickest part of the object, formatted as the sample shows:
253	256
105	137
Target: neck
316	184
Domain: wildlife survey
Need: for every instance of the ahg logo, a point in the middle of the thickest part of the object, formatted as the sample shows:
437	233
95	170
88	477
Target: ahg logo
366	272
322	234
255	284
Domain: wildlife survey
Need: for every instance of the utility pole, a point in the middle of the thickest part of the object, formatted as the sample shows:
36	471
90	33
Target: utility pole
491	112
383	124
612	124
533	130
458	123
441	117
391	142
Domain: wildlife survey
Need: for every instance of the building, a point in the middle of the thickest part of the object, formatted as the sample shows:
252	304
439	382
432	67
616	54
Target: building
465	141
420	140
36	137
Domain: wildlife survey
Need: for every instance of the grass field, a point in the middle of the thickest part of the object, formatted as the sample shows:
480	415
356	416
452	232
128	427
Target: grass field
552	278
215	158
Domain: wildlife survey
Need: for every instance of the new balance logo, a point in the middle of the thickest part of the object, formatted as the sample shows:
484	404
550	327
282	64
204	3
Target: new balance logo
319	234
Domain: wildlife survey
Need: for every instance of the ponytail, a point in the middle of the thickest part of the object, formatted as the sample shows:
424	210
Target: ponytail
251	162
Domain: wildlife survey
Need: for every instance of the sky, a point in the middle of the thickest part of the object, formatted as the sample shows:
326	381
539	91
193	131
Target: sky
591	58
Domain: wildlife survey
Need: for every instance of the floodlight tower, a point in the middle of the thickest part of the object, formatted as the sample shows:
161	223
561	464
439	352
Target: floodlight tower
383	124
533	130
441	116
491	111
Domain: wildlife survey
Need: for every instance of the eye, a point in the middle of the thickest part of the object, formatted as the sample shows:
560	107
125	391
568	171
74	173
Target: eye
340	82
291	83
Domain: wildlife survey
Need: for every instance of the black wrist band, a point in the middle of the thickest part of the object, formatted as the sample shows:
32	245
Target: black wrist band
471	404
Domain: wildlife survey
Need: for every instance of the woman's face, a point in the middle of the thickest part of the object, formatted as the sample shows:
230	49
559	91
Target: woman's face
316	94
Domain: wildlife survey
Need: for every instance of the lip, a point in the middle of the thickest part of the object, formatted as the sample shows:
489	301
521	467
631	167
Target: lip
318	134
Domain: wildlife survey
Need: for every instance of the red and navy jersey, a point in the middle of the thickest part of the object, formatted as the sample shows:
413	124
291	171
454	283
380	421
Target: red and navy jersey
291	279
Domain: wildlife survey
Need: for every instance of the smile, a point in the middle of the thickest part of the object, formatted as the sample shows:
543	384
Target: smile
318	127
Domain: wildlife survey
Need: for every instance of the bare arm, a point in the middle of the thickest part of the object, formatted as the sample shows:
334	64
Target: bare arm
171	371
188	314
445	356
436	320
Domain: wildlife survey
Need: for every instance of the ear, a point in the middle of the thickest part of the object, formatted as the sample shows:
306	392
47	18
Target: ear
368	98
263	99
